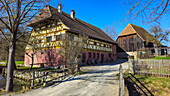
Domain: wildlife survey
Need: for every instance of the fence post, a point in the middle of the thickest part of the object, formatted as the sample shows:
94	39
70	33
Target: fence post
121	82
131	61
32	81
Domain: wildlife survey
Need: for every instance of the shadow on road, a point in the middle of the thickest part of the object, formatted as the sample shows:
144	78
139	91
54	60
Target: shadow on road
110	63
96	74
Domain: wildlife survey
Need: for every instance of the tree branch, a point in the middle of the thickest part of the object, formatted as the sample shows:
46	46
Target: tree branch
162	10
4	36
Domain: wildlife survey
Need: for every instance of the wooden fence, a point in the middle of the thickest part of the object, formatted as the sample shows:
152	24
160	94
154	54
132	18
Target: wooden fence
47	73
121	82
152	67
42	78
144	91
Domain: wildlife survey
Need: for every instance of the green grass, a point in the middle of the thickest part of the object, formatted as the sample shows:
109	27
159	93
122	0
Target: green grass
26	68
166	58
157	85
17	62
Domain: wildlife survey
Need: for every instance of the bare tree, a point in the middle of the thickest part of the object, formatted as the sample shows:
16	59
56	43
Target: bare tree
149	10
160	35
71	49
110	30
14	14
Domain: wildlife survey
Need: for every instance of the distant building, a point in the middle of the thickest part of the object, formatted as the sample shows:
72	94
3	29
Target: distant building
51	24
134	38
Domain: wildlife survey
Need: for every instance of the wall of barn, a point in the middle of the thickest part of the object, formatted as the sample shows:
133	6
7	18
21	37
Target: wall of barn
130	43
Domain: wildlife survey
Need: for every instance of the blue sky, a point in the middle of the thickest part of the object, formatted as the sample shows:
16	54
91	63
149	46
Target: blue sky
101	13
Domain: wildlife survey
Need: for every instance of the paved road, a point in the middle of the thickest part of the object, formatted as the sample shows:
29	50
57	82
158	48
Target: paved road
100	80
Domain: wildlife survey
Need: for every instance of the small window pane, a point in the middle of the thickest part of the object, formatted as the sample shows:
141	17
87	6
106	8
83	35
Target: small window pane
94	55
89	54
48	39
109	55
98	55
58	37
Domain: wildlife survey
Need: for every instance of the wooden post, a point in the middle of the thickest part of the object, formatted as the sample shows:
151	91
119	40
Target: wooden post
32	82
160	71
121	82
162	65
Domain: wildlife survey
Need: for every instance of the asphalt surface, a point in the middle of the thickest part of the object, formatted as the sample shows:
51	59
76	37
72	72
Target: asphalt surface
99	80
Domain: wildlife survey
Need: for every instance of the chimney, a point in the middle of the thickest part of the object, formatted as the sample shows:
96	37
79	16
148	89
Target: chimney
72	14
59	8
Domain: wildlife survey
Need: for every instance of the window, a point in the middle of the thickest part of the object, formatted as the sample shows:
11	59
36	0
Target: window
98	55
48	39
58	37
95	43
89	54
104	45
84	41
70	37
109	55
94	55
39	41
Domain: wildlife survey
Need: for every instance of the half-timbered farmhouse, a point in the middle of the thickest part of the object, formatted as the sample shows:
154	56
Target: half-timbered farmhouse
51	24
134	38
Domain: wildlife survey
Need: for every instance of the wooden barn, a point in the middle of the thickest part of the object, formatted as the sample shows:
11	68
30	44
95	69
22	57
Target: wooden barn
134	38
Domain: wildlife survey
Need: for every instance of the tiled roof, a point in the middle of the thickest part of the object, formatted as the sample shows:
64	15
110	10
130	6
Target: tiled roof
74	24
133	29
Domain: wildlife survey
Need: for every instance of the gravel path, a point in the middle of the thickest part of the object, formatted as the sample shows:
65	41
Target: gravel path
100	80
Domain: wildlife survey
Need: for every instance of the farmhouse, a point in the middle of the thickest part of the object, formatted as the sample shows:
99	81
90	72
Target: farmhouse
134	38
50	25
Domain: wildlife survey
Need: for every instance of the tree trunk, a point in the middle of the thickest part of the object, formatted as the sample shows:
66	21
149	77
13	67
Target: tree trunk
7	59
9	82
14	65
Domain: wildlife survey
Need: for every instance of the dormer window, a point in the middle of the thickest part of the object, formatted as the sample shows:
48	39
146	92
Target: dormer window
53	24
37	29
43	27
59	23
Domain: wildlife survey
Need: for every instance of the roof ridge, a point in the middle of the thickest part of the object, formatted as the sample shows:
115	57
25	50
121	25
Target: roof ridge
80	21
73	24
136	31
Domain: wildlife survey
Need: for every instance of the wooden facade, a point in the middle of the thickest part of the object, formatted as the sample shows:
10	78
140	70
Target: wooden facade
130	43
134	38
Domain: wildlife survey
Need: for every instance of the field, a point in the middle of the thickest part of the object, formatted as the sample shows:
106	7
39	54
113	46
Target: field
167	58
159	86
16	62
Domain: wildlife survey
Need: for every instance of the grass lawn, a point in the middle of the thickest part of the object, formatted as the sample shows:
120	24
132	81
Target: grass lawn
26	68
168	58
16	62
159	86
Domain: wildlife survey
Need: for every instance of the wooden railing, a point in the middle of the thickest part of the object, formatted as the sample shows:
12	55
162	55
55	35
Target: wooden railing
39	77
141	86
152	67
